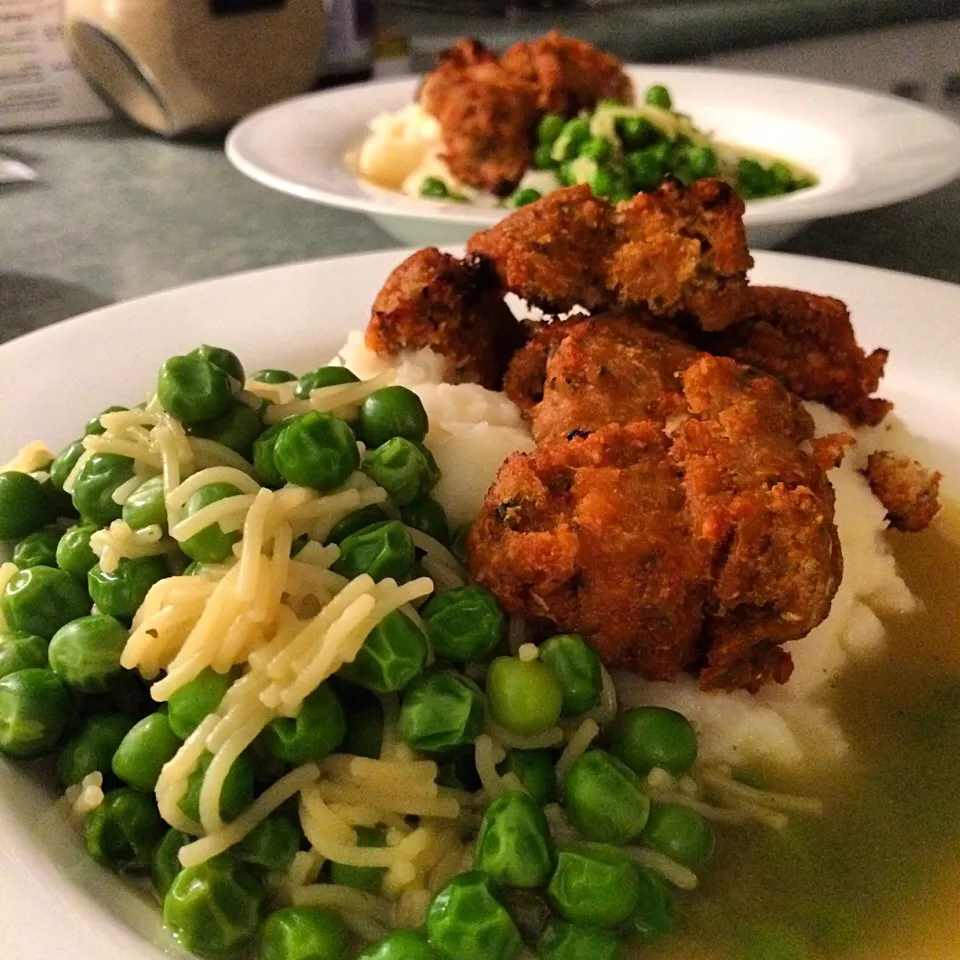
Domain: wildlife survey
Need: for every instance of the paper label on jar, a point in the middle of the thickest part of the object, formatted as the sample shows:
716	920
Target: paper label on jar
39	84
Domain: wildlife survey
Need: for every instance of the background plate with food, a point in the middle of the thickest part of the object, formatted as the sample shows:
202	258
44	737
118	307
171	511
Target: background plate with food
806	815
861	149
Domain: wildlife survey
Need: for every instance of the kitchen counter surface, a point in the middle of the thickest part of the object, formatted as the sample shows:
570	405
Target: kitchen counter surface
117	213
656	31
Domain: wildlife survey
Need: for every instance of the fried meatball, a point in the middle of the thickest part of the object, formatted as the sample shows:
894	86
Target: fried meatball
593	535
674	251
908	491
568	75
487	117
808	342
435	300
766	508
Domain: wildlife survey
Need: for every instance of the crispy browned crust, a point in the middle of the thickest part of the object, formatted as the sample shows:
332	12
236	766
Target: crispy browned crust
674	251
568	75
435	300
486	114
808	342
592	534
908	491
706	549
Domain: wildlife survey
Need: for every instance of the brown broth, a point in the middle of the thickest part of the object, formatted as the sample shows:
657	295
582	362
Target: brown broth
878	876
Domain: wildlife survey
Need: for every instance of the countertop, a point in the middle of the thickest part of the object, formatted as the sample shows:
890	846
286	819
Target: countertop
118	213
656	31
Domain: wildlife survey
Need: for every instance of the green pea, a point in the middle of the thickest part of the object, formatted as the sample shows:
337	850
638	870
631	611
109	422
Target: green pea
550	127
304	933
393	654
85	653
264	465
523	198
237	793
124	830
120	592
514	845
37	549
316	450
193	389
440	711
273	376
466	921
165	862
699	162
237	428
41	600
382	550
464	624
543	157
535	771
402	468
91	747
272	844
316	731
400	945
577	667
211	544
602	182
195	700
393	412
20	651
635	133
94	488
363	878
24	505
575	132
34	708
524	696
459	544
213	909
144	750
358	520
656	913
63	464
648	737
94	427
645	169
128	694
598	149
782	175
220	357
658	96
323	377
364	735
434	188
604	799
594	884
74	554
568	941
146	506
753	179
680	833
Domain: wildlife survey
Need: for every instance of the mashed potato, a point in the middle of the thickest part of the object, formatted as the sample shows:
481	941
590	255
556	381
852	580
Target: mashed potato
472	430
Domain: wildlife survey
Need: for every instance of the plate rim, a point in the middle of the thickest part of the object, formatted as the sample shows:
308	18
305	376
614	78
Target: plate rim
781	210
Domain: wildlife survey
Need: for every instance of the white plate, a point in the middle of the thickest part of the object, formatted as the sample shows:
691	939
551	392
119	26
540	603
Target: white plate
54	901
868	150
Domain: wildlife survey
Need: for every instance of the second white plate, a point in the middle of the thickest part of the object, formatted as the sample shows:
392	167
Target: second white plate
867	149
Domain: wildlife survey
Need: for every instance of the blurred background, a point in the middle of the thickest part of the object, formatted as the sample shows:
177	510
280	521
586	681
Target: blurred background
113	181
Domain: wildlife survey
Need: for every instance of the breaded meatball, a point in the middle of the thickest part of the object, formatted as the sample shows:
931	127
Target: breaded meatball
435	300
568	75
593	535
677	250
